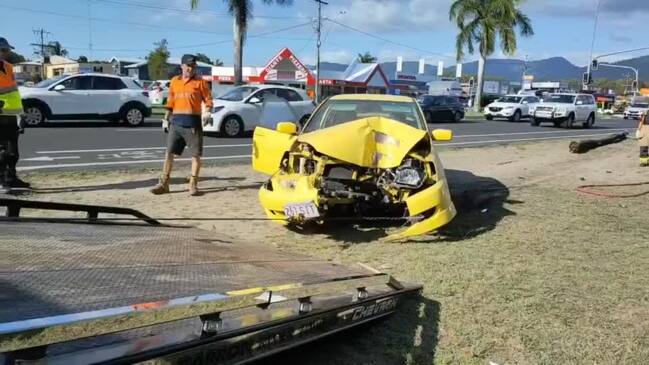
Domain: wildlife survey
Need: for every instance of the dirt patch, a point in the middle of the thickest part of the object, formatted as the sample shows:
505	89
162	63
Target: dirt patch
529	272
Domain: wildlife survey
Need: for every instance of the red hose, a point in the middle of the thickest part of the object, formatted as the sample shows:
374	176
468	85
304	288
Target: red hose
589	189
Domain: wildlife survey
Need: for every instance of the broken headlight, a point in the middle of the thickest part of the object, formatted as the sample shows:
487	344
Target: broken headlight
409	177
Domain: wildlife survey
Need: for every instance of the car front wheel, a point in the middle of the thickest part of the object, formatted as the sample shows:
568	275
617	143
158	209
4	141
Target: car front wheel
232	127
590	121
535	122
516	117
133	116
34	115
457	117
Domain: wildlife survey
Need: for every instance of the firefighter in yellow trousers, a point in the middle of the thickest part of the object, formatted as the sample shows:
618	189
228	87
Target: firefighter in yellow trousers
10	121
643	138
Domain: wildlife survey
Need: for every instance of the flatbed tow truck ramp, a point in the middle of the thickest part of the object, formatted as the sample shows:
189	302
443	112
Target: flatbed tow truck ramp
97	290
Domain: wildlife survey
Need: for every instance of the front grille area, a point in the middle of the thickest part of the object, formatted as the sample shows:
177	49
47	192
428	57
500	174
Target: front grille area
544	108
495	109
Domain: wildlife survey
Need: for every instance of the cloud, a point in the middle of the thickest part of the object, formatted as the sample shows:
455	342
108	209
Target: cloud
586	8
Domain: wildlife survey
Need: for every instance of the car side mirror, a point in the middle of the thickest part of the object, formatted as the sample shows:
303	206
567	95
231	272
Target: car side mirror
525	102
59	87
254	100
580	103
287	127
442	134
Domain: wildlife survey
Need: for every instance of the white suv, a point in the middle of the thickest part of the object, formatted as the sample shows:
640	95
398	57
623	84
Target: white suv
635	110
512	107
240	109
564	110
86	96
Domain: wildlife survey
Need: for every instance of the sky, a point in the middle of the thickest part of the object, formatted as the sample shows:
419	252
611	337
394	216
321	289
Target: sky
101	29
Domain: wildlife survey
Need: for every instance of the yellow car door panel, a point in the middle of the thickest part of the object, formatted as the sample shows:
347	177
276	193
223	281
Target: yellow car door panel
268	148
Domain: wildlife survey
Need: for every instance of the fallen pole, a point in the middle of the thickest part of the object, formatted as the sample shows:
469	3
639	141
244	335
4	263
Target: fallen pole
589	144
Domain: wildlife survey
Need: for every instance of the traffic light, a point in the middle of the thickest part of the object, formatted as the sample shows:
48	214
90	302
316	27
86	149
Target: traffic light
594	65
587	79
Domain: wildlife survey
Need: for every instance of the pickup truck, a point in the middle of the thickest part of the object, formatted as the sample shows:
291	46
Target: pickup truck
129	290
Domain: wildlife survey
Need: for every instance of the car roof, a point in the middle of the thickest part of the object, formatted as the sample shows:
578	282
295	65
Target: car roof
375	97
98	74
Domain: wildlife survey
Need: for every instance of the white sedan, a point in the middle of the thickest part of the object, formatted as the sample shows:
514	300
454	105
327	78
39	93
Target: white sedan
512	107
240	109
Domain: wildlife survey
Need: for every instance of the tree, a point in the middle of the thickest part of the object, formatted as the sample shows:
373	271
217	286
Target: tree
366	58
157	61
241	11
201	57
55	49
82	59
217	62
482	22
15	58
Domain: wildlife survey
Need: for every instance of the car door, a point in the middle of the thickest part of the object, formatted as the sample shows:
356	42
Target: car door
73	99
250	111
300	106
453	105
438	111
268	148
105	96
581	108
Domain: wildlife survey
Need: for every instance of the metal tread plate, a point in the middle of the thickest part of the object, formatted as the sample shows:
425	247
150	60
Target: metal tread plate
49	269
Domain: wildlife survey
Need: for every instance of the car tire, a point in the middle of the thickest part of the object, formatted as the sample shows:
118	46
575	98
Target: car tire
535	122
35	115
625	117
232	126
516	117
133	115
590	121
457	117
569	122
489	117
557	124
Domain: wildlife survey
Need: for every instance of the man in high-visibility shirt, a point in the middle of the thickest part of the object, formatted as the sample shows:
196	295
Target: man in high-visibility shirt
188	108
10	121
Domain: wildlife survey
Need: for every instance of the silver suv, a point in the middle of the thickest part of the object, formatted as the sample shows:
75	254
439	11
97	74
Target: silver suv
565	110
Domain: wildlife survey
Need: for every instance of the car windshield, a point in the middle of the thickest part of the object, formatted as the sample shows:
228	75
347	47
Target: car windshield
510	99
564	99
50	82
335	112
640	105
238	94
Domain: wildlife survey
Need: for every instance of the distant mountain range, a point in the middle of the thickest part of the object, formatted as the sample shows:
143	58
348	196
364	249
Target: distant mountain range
549	69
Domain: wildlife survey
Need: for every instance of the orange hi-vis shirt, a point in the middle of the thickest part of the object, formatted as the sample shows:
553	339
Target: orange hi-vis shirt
185	100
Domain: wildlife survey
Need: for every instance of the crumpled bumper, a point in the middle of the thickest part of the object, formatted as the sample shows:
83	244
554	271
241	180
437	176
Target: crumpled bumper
433	203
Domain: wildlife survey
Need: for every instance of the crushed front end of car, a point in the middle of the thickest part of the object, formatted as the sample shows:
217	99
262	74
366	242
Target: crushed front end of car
371	167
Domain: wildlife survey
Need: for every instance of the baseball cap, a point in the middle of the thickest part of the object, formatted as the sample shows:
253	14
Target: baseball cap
189	59
4	44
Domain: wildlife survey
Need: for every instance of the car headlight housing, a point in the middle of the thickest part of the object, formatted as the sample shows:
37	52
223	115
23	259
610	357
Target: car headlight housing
561	110
409	177
216	109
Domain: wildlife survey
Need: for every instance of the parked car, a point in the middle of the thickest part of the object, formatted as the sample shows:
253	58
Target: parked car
159	92
86	96
358	154
636	110
566	110
441	108
512	107
239	110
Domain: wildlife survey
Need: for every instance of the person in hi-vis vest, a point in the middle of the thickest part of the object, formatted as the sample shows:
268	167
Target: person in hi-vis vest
10	121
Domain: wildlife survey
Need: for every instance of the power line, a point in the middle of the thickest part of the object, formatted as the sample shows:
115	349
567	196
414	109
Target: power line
187	11
387	40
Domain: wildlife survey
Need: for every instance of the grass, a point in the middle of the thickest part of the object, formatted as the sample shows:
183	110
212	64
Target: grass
556	281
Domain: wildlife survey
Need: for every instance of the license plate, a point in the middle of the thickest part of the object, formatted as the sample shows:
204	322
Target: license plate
304	210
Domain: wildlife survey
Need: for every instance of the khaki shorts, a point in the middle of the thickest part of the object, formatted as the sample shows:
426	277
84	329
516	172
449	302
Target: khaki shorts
179	138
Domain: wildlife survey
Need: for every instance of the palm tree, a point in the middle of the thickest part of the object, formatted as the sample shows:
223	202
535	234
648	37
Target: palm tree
241	10
366	58
482	22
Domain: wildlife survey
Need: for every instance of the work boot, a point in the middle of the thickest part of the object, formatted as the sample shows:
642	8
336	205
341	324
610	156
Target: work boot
162	187
12	181
193	186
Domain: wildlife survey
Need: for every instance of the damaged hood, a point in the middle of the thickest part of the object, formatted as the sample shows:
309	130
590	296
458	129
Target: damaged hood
377	142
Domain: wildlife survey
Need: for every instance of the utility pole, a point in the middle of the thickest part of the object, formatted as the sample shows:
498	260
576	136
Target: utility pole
317	66
40	33
586	80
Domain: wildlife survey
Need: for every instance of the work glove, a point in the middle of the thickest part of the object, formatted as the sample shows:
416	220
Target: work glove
165	125
638	134
206	118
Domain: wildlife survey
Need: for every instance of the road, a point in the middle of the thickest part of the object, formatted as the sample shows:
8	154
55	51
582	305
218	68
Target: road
92	145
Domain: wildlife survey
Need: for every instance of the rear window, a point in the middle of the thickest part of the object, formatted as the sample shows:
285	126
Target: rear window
107	83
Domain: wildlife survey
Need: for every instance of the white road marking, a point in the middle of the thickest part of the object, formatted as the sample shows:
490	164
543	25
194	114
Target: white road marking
518	139
139	149
89	164
533	133
48	158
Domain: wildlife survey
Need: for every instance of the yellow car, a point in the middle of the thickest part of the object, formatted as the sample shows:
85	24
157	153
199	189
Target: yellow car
357	156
